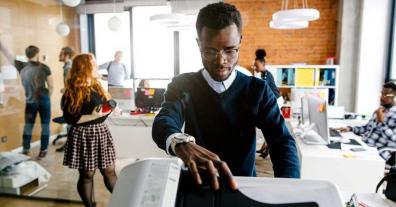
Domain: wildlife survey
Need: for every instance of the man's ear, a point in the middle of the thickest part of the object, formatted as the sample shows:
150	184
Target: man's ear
240	40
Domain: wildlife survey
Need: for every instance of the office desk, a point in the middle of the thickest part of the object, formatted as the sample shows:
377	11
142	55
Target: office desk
357	172
132	136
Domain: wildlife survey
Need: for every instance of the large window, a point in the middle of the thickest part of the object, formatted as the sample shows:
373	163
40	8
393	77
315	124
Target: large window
190	57
152	44
107	42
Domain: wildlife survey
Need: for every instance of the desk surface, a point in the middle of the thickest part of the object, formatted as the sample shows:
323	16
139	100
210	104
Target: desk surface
351	171
125	119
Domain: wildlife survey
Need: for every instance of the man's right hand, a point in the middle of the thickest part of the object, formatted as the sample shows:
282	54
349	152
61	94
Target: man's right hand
198	158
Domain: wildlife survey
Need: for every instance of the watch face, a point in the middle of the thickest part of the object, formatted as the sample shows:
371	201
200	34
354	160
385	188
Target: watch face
181	138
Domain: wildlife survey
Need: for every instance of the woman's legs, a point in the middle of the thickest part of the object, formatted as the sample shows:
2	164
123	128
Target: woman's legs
109	177
85	186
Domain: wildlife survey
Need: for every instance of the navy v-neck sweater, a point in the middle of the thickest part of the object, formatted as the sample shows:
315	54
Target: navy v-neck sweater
225	123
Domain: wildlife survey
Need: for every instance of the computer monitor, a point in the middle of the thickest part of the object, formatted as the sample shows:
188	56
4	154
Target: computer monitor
149	99
314	111
125	97
304	110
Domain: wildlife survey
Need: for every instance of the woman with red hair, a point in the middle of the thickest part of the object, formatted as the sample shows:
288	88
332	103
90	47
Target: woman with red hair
89	144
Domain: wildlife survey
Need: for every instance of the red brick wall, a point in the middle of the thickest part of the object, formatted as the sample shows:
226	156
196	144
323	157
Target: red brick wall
312	45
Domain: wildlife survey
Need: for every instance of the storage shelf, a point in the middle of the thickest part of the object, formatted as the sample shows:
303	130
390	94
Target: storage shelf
294	81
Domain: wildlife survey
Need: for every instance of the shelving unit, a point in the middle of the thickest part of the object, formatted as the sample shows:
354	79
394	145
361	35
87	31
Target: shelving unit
295	81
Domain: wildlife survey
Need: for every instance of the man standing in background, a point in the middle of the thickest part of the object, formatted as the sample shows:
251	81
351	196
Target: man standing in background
66	55
38	84
116	70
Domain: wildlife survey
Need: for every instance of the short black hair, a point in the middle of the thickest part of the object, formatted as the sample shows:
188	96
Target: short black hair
68	51
260	55
390	85
31	51
218	16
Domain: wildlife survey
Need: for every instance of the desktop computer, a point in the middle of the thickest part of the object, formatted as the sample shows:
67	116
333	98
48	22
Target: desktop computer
125	97
149	99
314	117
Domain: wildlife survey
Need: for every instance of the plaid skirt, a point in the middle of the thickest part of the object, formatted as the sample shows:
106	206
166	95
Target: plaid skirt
89	147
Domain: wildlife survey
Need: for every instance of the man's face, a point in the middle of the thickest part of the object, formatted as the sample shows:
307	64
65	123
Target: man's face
219	50
118	56
386	98
62	56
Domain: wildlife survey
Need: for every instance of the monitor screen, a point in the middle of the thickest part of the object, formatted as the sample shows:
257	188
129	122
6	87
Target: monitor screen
149	98
304	110
121	93
317	113
125	97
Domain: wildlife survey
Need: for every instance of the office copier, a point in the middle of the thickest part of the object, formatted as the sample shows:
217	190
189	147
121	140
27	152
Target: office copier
162	182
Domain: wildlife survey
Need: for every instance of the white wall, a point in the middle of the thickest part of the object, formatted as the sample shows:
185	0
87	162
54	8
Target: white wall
347	44
372	54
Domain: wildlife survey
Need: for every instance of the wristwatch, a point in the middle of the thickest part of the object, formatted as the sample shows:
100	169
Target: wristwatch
181	138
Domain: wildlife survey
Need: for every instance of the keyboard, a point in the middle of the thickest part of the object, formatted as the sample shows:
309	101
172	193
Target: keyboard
334	133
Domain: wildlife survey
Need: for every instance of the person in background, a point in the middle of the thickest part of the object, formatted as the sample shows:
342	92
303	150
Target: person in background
261	72
380	131
89	144
144	83
38	84
139	100
65	55
116	70
221	108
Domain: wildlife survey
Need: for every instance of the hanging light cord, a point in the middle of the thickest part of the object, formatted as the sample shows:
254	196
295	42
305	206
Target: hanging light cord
61	13
285	4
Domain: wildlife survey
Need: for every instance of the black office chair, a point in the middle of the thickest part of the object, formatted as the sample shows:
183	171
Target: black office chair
62	134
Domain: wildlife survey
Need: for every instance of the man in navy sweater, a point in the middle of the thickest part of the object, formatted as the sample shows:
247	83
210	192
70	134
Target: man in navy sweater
221	108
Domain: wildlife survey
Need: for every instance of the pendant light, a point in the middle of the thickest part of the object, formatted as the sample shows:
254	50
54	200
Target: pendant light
62	28
72	3
296	18
114	23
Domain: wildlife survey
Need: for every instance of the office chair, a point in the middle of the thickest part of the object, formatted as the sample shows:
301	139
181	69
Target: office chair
392	160
62	134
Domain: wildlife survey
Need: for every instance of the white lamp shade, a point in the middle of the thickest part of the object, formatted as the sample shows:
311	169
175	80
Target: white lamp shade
170	19
62	29
288	25
71	3
114	24
296	15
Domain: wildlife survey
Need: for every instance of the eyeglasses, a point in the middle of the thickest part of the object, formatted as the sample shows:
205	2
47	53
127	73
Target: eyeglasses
387	95
228	54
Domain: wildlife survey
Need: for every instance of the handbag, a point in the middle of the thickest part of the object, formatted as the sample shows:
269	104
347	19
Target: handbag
390	190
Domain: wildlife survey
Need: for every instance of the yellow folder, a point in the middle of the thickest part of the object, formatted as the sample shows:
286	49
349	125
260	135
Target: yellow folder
305	76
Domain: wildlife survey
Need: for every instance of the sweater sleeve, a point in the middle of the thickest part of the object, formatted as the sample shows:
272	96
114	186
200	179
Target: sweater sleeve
170	118
282	146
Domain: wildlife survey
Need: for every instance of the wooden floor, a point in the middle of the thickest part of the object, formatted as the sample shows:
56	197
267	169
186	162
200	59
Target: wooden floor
62	184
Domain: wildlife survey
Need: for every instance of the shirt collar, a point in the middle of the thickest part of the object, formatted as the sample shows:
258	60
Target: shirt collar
219	86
